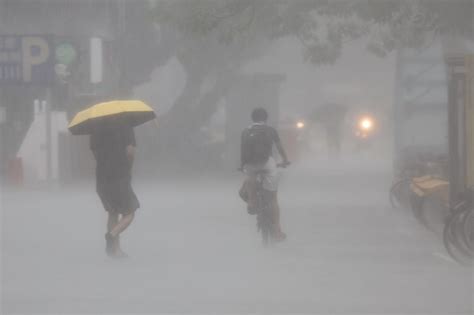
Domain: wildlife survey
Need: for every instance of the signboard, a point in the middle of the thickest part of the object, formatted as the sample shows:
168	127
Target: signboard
26	59
66	53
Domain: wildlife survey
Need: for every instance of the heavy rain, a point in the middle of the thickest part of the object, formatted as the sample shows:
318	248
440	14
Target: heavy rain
237	156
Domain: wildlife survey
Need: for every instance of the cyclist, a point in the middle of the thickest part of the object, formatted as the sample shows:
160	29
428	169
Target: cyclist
256	155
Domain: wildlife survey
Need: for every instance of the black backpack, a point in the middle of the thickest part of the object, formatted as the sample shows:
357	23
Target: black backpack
257	144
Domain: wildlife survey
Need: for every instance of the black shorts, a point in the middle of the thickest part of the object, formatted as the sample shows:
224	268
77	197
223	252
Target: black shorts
117	194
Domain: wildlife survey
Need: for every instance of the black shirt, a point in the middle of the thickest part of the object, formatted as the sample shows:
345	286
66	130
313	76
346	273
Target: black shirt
267	146
109	146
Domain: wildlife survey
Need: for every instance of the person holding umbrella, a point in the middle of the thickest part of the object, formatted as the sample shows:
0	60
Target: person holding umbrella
112	141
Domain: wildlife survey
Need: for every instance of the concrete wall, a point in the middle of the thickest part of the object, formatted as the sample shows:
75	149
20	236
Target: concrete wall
33	150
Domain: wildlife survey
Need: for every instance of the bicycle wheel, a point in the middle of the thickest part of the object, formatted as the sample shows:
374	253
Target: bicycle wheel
396	192
416	205
267	227
467	232
432	214
458	233
263	218
266	237
451	239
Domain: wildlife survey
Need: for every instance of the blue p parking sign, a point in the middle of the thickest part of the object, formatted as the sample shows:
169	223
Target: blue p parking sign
26	59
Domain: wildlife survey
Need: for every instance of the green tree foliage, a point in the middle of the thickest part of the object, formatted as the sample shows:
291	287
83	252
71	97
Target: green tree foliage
212	39
322	26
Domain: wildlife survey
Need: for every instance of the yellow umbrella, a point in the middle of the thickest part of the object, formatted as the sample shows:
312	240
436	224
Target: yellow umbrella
132	112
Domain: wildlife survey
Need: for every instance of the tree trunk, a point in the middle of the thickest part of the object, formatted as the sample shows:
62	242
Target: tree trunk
209	102
179	126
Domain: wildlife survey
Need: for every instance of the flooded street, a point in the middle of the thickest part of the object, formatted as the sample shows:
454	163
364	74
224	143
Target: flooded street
194	249
129	130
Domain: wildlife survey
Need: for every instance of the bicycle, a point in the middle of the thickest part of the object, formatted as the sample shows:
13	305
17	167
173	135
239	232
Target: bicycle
422	164
397	191
264	208
458	233
429	199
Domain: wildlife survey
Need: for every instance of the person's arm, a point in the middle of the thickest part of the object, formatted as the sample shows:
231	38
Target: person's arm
131	153
279	146
131	144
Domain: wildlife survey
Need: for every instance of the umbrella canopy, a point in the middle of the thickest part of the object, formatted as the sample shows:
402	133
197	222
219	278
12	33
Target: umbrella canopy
131	112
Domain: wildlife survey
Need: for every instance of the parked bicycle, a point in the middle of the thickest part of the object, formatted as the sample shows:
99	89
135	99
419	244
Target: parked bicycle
424	164
458	234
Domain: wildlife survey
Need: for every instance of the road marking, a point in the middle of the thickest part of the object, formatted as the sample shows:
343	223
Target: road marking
444	257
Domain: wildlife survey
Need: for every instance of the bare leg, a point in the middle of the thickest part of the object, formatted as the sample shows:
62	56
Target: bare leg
122	224
275	211
276	217
112	221
118	252
111	224
115	226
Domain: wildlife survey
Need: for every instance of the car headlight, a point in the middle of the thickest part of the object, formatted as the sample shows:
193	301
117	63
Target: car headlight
366	124
300	125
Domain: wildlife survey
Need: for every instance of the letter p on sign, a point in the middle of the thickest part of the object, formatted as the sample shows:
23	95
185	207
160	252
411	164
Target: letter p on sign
35	51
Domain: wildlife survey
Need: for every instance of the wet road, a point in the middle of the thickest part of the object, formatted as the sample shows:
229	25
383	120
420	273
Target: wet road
194	249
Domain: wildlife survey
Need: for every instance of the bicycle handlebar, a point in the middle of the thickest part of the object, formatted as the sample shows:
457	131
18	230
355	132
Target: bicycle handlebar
279	165
284	164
